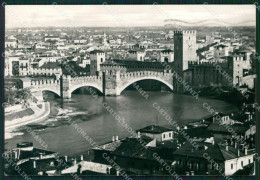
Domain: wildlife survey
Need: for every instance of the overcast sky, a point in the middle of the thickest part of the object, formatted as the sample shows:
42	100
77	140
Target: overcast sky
124	15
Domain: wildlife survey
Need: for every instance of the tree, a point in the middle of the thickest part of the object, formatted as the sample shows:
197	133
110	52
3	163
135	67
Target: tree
10	97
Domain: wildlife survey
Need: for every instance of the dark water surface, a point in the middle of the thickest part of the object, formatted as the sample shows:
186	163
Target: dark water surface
100	125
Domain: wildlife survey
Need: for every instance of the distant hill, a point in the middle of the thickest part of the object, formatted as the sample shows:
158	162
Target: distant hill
210	23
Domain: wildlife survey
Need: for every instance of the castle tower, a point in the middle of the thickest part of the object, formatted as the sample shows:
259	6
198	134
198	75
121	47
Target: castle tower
167	56
138	55
235	64
184	48
96	58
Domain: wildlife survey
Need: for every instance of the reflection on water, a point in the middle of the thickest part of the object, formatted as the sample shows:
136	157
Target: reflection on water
100	125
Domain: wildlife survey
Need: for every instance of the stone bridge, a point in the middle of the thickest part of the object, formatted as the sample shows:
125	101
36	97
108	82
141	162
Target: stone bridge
107	84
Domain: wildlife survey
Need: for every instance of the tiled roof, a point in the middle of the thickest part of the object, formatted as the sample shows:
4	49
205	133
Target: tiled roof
212	151
51	65
167	50
222	129
34	153
232	152
154	129
109	146
133	148
199	132
95	52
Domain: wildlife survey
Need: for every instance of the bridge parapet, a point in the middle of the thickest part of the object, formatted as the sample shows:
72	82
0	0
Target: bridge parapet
144	73
45	82
86	79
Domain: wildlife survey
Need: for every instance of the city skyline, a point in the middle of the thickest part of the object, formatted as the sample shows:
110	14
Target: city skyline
128	15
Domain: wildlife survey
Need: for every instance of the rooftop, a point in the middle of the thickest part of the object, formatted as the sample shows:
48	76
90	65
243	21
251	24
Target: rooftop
111	146
188	149
95	52
232	152
34	153
133	148
154	129
51	65
133	63
221	129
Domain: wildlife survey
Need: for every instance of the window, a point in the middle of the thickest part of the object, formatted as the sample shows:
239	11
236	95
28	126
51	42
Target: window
249	161
231	166
164	136
170	134
242	163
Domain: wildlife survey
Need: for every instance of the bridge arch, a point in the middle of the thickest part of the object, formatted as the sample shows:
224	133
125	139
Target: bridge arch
75	87
123	87
56	92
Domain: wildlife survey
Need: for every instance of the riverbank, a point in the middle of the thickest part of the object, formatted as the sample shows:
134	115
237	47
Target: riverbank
90	114
227	94
39	115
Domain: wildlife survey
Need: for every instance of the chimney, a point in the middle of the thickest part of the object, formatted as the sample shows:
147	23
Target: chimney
15	154
138	134
116	138
66	158
34	164
238	153
74	161
113	138
213	142
246	150
18	153
81	157
226	144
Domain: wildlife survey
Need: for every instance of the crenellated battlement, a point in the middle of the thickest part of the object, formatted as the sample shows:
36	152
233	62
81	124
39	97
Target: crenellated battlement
206	63
144	73
86	79
185	32
45	82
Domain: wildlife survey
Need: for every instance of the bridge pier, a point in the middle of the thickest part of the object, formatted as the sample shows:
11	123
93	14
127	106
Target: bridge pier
65	85
111	83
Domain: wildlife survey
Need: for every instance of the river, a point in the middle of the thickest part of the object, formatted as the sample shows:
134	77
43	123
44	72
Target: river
89	113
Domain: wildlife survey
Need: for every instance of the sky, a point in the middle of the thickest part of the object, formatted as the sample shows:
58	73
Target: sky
125	15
